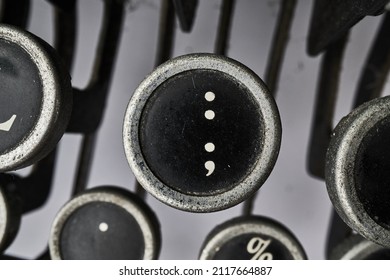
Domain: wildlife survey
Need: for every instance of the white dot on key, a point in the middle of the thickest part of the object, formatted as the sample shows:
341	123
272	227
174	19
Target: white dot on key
209	114
103	227
209	147
209	96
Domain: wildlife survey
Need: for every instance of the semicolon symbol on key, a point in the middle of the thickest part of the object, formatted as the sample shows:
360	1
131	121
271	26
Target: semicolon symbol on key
6	126
209	147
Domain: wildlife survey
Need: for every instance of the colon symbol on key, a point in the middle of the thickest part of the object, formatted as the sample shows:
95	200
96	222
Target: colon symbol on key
6	126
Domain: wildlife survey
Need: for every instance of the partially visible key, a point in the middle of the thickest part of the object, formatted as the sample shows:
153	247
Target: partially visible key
35	98
251	238
106	223
357	170
356	247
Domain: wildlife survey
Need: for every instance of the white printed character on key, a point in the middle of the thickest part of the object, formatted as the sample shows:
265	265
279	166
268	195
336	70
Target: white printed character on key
209	147
6	126
257	247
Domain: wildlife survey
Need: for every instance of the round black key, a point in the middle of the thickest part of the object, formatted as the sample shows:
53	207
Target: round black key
17	118
105	223
176	135
356	247
202	133
372	174
99	223
357	170
251	238
35	98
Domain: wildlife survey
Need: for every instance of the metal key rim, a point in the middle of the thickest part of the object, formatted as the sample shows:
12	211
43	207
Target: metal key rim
340	168
31	145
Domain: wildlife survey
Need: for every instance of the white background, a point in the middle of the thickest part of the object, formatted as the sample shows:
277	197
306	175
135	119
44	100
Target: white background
280	270
290	195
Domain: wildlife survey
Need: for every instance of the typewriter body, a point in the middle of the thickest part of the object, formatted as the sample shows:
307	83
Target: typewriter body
312	58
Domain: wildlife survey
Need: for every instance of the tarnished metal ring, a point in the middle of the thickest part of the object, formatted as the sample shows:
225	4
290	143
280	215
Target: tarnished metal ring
56	103
341	163
265	160
117	197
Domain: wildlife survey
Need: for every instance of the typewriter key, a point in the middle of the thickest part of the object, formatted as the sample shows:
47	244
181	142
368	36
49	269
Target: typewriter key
35	98
357	170
202	133
358	248
251	238
105	223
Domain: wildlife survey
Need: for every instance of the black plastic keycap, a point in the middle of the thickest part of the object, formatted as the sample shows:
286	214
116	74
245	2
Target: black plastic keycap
372	172
205	124
90	233
35	98
20	96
